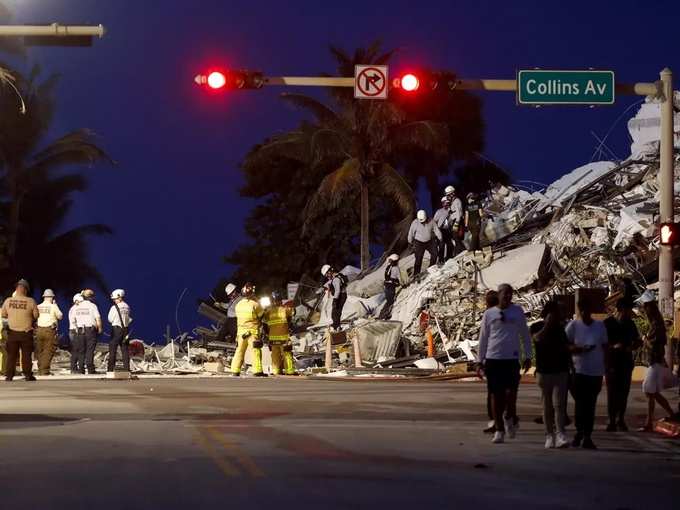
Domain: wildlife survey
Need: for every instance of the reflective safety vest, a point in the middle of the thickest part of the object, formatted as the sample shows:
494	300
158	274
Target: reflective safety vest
248	316
277	318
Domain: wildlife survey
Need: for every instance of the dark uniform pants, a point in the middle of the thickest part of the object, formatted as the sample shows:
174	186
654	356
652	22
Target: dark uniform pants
45	347
118	340
474	237
19	341
78	351
336	312
618	388
419	248
90	346
390	292
446	246
586	390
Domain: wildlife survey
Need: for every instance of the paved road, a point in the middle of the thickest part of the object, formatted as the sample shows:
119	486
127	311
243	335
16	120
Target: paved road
294	443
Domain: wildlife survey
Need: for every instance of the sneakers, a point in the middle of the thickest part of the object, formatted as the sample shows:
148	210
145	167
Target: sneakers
549	441
235	374
511	427
561	441
490	427
260	374
29	378
498	437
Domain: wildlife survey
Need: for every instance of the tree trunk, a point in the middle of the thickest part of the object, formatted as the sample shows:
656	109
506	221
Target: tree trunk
365	214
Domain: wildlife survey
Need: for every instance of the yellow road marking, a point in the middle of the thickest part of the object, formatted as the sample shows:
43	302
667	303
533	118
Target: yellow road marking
227	468
243	458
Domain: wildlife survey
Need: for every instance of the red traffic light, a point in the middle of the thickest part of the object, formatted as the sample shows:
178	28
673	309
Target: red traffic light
231	80
216	80
410	82
669	234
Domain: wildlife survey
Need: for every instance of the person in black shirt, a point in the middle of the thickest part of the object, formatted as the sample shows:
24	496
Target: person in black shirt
552	373
473	220
624	338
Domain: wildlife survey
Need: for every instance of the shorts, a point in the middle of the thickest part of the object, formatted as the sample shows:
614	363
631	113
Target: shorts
502	375
658	378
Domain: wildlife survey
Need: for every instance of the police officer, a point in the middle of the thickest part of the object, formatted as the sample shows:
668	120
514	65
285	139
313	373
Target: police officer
248	320
277	319
21	312
473	220
421	235
336	287
457	216
46	333
443	220
392	281
120	318
88	324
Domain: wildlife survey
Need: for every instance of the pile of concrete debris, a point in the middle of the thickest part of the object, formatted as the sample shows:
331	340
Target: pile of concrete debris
589	229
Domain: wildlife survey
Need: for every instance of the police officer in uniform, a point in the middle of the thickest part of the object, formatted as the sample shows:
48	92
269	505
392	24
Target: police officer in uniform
277	319
46	334
248	321
392	281
120	318
88	324
336	287
21	312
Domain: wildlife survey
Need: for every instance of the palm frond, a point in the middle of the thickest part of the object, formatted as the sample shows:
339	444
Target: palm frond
425	135
334	188
321	112
390	183
75	148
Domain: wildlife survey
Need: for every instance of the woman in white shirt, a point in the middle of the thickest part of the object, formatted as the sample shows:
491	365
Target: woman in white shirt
588	341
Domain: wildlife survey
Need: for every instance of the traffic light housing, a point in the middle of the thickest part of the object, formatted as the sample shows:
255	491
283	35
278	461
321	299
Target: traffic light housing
231	80
669	234
423	82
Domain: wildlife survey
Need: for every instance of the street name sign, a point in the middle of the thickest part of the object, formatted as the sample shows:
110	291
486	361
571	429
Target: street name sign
370	82
538	86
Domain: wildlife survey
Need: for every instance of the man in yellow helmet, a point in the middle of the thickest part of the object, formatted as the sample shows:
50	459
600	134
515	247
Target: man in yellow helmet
277	321
248	321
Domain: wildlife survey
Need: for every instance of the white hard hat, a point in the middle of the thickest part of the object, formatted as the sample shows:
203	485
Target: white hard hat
449	189
324	269
646	297
421	215
78	298
48	293
229	289
118	293
394	257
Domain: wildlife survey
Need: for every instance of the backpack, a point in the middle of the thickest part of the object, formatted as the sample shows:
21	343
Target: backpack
343	281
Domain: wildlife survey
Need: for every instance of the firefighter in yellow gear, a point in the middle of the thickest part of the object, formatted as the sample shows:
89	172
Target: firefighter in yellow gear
248	321
277	322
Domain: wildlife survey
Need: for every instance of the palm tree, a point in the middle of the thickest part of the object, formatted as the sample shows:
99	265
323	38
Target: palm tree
30	181
361	139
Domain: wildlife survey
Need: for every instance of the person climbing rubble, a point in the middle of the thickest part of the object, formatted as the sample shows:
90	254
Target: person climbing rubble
336	287
457	219
249	319
421	235
442	217
277	320
473	220
392	282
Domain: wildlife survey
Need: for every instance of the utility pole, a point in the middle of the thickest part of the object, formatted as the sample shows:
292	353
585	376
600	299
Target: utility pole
666	200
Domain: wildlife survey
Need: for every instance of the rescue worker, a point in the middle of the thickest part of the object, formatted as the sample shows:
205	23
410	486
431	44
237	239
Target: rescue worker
21	311
277	320
392	281
421	235
336	286
457	217
248	319
233	297
88	324
120	318
77	349
442	218
473	220
46	333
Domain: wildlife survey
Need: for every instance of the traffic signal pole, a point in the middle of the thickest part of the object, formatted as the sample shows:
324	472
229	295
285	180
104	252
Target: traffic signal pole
53	30
666	200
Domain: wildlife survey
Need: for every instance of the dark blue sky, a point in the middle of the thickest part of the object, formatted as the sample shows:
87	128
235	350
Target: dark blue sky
173	198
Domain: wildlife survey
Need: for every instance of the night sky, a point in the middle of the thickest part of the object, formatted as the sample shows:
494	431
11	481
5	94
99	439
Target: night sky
173	197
